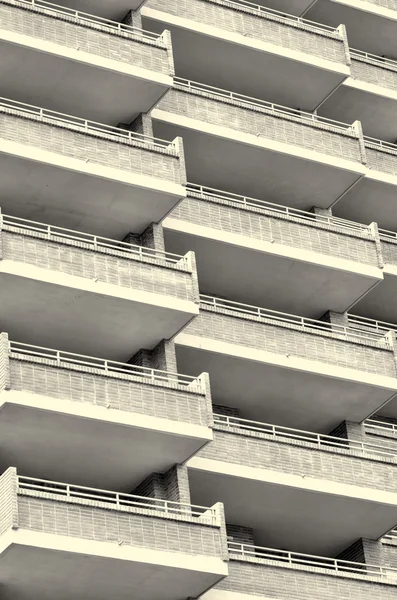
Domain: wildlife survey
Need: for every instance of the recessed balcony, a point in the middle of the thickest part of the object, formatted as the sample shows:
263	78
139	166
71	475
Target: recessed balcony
82	417
89	294
246	146
255	251
85	175
83	65
328	480
285	369
214	41
370	24
108	9
76	542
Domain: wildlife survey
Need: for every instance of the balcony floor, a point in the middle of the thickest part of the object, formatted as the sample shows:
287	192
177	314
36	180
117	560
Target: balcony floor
324	520
84	85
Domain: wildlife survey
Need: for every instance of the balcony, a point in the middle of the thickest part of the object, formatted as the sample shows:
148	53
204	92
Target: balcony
285	369
84	175
57	286
256	571
159	418
374	196
116	9
370	24
214	41
381	429
369	95
288	259
83	65
246	146
75	542
329	481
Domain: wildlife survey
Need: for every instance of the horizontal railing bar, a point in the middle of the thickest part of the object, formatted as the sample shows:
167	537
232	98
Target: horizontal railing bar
312	218
308	559
381	326
373	423
382	61
380	143
321	326
248	100
97	241
88	126
89	18
307	436
386	234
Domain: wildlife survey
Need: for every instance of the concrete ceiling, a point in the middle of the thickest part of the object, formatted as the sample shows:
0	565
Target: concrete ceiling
379	303
110	9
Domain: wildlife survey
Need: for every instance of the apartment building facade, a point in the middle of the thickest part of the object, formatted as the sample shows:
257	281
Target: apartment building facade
198	265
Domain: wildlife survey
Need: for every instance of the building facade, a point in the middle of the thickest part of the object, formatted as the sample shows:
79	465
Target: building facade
198	272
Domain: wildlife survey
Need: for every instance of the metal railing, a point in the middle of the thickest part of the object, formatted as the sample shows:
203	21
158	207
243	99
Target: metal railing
306	117
379	60
378	427
366	324
107	367
308	560
264	11
116	500
391	536
91	20
322	442
86	126
380	143
387	235
96	243
349	333
294	213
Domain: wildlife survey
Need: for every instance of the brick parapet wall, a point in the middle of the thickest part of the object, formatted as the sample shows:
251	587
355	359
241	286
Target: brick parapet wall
375	72
381	159
389	250
89	37
9	518
5	375
281	228
261	121
246	20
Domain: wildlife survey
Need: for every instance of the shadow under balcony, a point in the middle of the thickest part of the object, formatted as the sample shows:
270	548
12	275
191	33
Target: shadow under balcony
115	9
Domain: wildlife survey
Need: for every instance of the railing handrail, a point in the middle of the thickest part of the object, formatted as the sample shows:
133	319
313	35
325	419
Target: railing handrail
374	424
322	442
386	235
382	61
118	499
310	560
392	535
380	143
89	19
257	102
381	326
98	243
107	366
86	125
303	322
311	218
285	16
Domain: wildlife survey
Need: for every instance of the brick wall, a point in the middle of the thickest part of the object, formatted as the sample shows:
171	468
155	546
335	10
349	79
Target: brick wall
64	30
101	149
384	160
392	4
8	500
224	112
4	362
240	534
266	226
389	250
246	21
162	357
172	485
254	332
371	72
152	275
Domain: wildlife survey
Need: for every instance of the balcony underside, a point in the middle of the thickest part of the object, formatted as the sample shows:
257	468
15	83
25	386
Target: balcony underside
36	565
45	186
284	395
323	521
255	273
64	440
115	10
292	7
245	164
379	303
375	109
75	82
373	199
371	27
76	314
220	58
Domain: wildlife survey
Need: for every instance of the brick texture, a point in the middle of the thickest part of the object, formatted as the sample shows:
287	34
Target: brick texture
266	225
8	500
89	37
389	251
392	4
225	112
247	21
4	362
381	159
240	534
172	485
365	69
264	334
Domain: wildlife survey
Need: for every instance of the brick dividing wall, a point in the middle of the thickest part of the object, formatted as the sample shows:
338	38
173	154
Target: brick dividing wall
5	376
8	500
96	39
240	534
253	120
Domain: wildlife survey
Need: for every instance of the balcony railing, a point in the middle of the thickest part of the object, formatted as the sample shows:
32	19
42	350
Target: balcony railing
93	21
380	143
350	333
255	103
85	126
94	242
380	427
373	58
370	325
107	367
320	441
117	501
391	536
387	235
336	566
294	213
